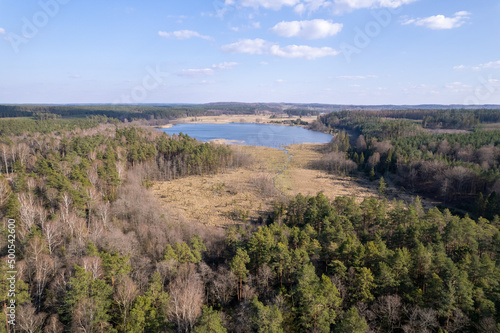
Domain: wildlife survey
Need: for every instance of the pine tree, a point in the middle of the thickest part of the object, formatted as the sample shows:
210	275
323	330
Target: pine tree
381	187
209	322
197	247
88	300
184	253
266	319
371	174
318	300
170	253
351	322
239	269
363	285
114	265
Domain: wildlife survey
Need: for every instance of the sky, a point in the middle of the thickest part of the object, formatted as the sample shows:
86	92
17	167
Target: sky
295	51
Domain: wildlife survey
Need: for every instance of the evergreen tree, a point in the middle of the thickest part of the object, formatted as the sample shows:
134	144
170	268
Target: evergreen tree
197	248
209	322
381	187
351	322
318	300
266	319
363	285
88	301
114	266
239	269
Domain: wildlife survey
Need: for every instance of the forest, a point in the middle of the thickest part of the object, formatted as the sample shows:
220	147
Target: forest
95	251
459	168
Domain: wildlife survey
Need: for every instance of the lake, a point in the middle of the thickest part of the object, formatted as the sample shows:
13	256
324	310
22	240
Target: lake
251	134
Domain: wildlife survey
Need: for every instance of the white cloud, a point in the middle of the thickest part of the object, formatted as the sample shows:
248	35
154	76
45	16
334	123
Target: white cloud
311	6
313	29
250	46
343	5
458	87
196	72
260	46
193	72
183	34
2	31
440	22
280	81
251	25
269	4
225	65
357	77
490	65
302	51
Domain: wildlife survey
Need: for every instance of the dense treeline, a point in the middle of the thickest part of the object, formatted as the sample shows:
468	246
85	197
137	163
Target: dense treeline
445	119
132	112
459	169
44	125
369	124
301	112
346	267
88	234
120	112
318	266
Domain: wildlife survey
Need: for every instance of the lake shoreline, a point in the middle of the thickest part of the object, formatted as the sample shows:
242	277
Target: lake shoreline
236	119
251	134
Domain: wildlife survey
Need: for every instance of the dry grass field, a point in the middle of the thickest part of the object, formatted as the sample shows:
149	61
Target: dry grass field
246	193
225	119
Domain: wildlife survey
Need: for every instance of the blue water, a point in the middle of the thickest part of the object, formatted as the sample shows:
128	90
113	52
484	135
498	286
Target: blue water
272	136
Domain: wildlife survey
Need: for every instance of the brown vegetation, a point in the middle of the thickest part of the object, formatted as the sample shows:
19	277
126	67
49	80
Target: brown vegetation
244	193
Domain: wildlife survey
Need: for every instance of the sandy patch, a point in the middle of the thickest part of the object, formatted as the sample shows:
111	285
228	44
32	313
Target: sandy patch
226	119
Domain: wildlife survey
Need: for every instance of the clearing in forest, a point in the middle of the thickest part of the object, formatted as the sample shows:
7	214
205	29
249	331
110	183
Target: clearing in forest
248	192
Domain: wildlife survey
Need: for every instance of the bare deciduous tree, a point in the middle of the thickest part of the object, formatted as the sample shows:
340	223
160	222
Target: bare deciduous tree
124	296
223	286
103	212
28	320
186	299
93	265
444	147
459	322
84	316
361	143
27	213
387	310
374	160
53	325
52	232
382	147
421	320
336	162
5	156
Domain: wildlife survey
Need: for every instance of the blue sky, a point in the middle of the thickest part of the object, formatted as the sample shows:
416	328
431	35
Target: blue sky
302	51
